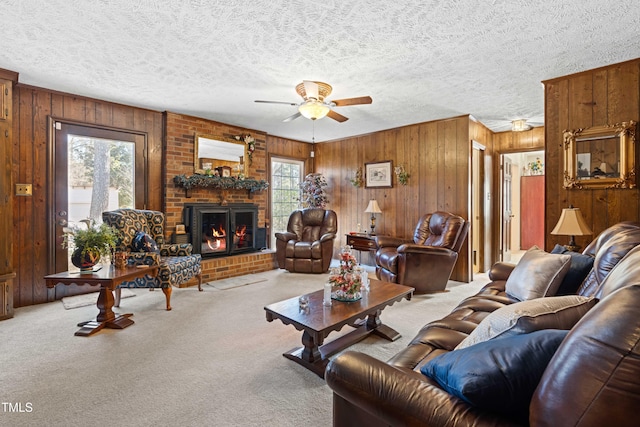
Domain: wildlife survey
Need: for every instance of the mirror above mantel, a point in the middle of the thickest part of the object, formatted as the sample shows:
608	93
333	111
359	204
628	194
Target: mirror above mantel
600	156
212	154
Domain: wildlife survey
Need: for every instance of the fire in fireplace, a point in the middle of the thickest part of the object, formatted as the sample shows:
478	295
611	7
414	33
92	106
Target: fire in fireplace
217	230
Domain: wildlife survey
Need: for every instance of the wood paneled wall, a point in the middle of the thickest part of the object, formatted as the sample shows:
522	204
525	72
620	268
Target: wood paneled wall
437	157
602	96
31	148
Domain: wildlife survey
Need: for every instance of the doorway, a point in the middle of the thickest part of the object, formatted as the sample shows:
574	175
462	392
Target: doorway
95	170
522	203
478	191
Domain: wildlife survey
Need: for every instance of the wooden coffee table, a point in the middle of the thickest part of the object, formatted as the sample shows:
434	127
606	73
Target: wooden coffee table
108	278
317	321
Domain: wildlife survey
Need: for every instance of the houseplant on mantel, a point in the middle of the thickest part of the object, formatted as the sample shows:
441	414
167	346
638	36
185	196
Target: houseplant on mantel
89	243
221	182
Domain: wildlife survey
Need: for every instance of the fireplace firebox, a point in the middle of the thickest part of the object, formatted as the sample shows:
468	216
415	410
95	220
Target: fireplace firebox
217	230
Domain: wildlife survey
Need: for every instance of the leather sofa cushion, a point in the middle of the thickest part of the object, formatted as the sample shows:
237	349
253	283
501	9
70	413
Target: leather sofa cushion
537	275
499	375
561	312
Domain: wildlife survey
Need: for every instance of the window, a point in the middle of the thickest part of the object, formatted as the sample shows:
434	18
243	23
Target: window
100	177
286	175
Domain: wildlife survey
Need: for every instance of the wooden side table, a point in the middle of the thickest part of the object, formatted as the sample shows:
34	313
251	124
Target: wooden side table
362	242
108	278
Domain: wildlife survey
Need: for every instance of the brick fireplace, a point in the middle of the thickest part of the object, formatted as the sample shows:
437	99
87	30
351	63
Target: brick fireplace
179	160
216	230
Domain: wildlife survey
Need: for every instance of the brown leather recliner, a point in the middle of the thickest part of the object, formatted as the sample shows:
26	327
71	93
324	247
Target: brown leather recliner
307	245
426	261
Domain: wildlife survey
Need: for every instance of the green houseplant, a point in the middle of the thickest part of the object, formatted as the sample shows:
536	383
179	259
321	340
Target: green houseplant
89	243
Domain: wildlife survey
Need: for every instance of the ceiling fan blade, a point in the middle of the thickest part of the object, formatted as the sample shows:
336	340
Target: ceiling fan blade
337	117
293	117
276	102
311	89
352	101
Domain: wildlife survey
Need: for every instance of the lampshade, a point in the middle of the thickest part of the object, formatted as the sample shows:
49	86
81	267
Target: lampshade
313	109
571	223
373	207
519	125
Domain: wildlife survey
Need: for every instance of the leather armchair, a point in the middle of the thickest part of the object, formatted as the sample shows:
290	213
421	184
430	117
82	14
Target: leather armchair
307	245
426	261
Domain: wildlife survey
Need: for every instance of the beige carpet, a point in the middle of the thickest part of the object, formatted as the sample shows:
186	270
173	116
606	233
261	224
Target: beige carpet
89	299
213	360
235	282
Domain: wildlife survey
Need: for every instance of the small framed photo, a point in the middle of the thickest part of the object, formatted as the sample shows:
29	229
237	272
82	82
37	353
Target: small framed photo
224	171
378	174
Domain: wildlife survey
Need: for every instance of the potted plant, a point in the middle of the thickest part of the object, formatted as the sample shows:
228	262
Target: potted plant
312	193
89	243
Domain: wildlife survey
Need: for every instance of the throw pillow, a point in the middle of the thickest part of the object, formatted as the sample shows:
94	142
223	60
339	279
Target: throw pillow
580	266
142	242
538	274
527	316
497	375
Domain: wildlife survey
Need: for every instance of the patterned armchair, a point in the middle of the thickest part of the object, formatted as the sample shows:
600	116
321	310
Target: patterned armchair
177	264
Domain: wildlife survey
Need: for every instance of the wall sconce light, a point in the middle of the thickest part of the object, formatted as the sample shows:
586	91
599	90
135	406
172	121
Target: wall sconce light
373	209
571	223
520	125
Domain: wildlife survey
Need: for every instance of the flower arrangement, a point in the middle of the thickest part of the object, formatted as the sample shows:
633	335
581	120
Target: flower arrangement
401	173
536	167
357	180
251	145
346	283
312	193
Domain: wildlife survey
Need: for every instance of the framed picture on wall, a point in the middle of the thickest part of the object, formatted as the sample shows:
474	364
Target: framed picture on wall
378	174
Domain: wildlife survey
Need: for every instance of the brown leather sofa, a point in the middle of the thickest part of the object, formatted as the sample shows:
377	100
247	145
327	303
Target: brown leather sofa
307	245
431	253
593	379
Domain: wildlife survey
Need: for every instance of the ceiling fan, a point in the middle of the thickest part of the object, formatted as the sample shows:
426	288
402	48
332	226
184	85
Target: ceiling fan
315	106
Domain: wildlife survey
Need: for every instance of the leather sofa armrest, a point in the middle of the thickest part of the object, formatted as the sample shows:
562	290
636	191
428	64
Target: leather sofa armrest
397	397
327	236
501	271
422	249
286	236
385	241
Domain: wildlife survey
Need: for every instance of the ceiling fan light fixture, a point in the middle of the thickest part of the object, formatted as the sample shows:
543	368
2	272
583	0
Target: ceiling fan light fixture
519	125
314	109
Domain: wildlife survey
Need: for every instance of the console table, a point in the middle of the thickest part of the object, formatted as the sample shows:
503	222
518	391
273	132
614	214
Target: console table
108	278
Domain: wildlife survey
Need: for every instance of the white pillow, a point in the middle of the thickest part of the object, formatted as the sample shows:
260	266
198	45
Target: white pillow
537	275
527	316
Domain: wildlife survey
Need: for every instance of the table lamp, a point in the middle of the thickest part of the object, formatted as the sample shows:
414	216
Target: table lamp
373	209
571	223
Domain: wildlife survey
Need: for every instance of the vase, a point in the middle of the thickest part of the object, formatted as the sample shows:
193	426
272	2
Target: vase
85	262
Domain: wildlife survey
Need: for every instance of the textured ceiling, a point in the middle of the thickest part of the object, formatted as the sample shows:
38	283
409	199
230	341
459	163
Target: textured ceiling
418	60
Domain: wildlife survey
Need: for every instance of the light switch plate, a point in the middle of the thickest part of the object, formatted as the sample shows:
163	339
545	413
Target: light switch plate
23	190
